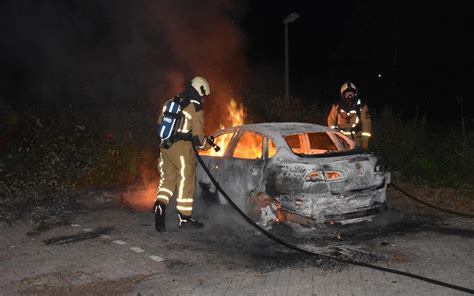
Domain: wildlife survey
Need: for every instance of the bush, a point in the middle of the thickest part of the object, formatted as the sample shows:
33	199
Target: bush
47	153
440	156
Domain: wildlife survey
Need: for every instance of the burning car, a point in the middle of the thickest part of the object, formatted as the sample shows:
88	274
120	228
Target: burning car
298	172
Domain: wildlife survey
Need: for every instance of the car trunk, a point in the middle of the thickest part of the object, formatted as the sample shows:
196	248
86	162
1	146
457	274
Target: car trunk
359	190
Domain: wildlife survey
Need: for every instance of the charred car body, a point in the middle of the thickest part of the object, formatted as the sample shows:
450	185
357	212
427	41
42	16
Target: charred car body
305	173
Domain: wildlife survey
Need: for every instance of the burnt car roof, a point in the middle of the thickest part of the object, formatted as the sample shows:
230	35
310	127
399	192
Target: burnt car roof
281	128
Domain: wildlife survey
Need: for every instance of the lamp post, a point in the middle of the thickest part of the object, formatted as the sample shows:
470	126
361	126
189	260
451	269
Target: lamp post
289	19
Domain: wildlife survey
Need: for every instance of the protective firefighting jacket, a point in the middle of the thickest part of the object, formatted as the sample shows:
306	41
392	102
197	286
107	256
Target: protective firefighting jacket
177	164
352	120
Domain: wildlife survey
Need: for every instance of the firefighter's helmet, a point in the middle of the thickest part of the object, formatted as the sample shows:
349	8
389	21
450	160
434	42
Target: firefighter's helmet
348	87
201	86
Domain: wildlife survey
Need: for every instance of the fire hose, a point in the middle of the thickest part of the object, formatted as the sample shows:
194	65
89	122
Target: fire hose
295	248
430	205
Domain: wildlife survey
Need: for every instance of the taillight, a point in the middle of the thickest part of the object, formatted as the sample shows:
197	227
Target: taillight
315	176
332	175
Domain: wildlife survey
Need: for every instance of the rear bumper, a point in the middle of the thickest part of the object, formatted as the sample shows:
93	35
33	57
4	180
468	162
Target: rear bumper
329	207
337	218
363	212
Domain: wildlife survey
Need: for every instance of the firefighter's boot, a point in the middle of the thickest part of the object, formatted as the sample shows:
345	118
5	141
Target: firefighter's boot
160	211
187	222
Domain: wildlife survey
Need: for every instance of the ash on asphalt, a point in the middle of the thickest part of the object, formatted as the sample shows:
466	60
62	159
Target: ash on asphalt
230	235
67	239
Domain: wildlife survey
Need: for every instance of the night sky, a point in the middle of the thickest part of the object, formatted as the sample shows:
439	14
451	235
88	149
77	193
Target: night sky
423	51
404	55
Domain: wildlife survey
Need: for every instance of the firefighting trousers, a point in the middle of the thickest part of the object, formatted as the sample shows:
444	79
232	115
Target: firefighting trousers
177	167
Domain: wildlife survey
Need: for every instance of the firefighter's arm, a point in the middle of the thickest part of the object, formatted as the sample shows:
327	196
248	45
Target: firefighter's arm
198	131
332	117
366	127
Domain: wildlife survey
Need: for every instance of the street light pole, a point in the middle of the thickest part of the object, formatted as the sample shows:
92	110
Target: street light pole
287	68
290	18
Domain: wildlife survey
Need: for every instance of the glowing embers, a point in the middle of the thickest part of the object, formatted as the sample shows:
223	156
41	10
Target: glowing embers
280	214
316	176
265	210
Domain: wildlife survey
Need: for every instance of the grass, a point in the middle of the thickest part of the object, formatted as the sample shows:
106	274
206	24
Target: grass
417	151
75	151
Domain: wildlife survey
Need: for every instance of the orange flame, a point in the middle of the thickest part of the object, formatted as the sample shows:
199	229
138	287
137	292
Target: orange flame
236	113
235	118
249	146
142	198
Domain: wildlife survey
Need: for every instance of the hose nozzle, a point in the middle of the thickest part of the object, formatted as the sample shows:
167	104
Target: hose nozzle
210	141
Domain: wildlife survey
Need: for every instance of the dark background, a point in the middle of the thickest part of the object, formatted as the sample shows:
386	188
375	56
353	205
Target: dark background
98	55
424	51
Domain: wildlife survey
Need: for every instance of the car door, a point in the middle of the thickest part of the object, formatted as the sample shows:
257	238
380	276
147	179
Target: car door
242	169
212	160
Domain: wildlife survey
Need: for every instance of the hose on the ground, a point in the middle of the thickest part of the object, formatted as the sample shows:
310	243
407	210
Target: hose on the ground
295	248
430	205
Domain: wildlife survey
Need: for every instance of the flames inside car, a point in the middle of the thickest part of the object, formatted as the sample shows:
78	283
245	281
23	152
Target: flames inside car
295	172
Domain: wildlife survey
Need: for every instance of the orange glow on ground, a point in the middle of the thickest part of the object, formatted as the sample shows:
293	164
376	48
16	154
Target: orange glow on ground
142	197
141	200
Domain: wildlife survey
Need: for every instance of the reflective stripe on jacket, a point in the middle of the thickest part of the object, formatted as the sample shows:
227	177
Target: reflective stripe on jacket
193	121
350	120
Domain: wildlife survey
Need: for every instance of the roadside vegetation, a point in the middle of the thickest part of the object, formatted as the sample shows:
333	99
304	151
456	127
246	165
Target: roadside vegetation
417	151
46	152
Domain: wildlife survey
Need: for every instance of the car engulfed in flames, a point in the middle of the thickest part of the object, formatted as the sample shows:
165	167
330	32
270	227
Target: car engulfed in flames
295	172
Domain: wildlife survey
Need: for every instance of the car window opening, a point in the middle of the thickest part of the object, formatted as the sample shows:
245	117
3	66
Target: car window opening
317	143
294	143
249	146
222	141
271	148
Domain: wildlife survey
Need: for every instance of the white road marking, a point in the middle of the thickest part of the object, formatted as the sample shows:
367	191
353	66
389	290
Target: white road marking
156	258
137	250
119	242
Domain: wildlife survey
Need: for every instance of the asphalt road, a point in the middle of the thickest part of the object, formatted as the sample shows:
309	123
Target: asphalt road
109	249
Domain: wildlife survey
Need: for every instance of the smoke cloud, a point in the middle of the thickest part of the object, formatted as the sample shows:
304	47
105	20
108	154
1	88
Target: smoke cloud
134	53
201	39
112	58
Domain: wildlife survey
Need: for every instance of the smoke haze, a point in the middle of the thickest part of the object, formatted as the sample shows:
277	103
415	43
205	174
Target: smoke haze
106	54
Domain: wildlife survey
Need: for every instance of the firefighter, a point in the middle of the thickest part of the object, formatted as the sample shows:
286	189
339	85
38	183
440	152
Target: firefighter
177	163
351	116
